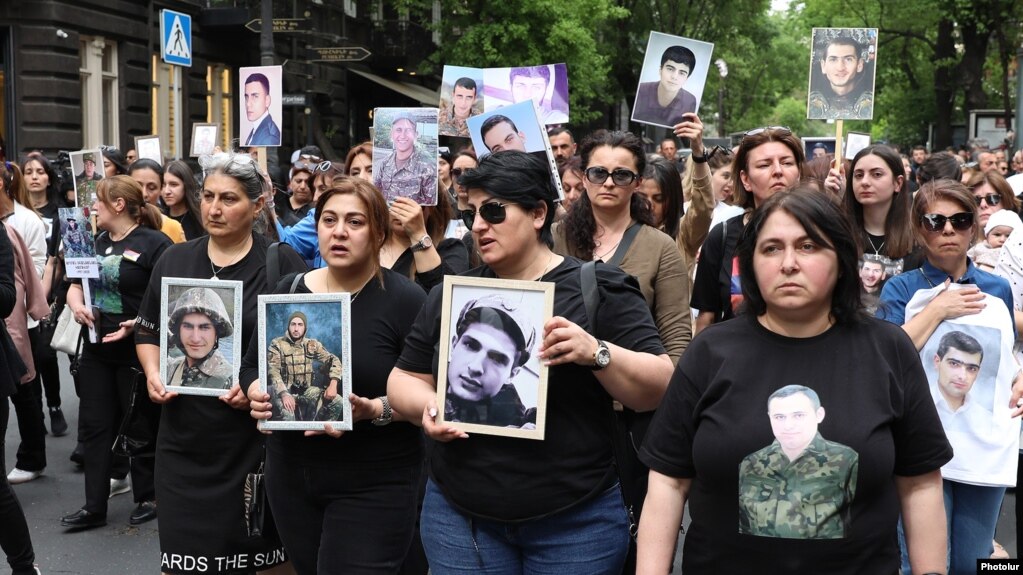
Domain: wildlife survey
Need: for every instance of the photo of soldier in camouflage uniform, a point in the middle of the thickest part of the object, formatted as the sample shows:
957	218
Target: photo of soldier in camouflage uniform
802	485
304	376
196	326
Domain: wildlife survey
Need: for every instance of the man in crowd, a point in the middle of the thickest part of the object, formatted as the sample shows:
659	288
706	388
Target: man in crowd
296	203
562	144
296	385
406	172
665	101
668	149
847	93
987	160
462	106
195	327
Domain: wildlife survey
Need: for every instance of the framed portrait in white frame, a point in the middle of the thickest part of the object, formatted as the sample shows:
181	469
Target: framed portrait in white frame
489	380
200	347
305	366
149	147
86	170
204	139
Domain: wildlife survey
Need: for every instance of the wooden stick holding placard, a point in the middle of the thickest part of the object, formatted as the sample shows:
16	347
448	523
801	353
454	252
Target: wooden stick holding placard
261	158
838	146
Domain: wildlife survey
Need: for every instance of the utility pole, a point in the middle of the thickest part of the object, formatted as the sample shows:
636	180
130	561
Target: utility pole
266	33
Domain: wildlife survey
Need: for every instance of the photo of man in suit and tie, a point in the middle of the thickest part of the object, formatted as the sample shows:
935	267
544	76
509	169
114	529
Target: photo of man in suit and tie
260	130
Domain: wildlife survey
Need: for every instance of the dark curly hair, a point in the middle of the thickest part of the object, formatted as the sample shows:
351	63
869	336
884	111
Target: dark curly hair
580	226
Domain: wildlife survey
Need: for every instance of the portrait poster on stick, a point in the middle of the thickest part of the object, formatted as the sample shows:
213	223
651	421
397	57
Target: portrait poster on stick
514	127
461	96
79	244
818	146
489	379
546	85
200	343
672	79
405	154
854	142
260	106
87	167
204	139
148	147
843	62
305	360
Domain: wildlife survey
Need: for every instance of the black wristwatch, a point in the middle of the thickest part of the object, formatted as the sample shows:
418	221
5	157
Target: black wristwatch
601	356
385	415
701	159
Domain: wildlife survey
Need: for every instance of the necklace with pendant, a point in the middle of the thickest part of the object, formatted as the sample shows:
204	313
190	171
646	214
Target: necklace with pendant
110	248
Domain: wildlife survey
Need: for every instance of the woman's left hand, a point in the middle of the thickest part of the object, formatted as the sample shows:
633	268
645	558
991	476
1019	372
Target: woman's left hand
127	328
835	182
362	408
235	398
565	342
410	214
1016	402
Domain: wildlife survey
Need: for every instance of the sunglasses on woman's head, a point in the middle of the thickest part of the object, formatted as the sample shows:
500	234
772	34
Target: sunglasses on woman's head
620	176
991	199
781	131
936	222
492	213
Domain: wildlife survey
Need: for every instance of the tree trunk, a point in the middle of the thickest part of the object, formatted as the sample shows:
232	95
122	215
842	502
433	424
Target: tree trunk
944	86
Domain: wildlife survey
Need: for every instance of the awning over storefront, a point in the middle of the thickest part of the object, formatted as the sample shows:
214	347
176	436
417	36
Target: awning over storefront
420	94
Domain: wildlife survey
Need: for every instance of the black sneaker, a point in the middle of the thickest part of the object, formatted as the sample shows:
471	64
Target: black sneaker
146	511
58	425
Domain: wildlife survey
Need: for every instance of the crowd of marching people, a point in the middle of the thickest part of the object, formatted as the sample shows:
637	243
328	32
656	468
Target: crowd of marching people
821	362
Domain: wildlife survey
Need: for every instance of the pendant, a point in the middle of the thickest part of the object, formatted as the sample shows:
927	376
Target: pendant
109	250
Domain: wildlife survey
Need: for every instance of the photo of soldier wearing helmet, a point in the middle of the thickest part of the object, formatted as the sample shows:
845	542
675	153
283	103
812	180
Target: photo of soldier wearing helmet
304	376
197	324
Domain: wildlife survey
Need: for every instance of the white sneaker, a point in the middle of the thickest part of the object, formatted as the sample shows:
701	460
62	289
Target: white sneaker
119	486
17	476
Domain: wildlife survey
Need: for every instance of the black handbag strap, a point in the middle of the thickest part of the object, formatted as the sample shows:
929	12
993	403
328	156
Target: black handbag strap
294	283
273	265
623	246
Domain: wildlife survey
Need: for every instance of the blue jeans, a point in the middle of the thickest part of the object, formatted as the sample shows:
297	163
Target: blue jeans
972	515
588	539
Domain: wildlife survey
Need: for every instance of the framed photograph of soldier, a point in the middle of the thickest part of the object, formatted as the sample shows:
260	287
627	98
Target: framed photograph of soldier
514	127
854	142
818	147
199	346
87	169
149	147
78	242
546	85
204	139
489	379
305	360
259	108
843	62
672	79
461	96
405	144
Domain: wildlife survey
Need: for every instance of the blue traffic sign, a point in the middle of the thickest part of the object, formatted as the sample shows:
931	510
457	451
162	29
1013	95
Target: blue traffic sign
176	37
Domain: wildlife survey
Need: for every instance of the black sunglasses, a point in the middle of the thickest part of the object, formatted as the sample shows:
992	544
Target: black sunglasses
620	176
991	199
457	172
781	131
936	222
492	213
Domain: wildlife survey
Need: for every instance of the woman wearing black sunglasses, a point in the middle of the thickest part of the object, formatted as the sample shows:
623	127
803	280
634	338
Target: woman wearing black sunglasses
993	194
945	222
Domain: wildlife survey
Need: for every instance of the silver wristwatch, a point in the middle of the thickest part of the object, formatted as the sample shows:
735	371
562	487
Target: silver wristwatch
423	243
385	415
601	356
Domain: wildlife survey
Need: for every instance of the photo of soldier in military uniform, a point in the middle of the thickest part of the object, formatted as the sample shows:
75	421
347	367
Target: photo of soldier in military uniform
198	347
802	485
87	166
405	154
76	233
304	360
842	66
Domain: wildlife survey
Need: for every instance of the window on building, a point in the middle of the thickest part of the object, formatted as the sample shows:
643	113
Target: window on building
220	103
100	109
167	106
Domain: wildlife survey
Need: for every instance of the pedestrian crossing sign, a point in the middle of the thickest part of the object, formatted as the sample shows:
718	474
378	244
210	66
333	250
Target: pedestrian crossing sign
176	37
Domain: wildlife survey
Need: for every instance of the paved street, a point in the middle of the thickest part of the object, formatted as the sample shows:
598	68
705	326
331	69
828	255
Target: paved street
121	549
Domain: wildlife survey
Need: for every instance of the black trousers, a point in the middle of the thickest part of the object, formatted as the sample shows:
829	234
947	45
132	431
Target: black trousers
349	521
46	366
105	391
28	408
14	537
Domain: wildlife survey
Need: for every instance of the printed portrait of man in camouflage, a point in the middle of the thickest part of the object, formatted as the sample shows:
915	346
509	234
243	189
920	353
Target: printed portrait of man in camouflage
196	325
304	376
802	485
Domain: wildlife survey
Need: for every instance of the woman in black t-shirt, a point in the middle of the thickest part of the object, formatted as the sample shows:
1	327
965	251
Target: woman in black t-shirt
322	490
550	505
769	160
128	248
798	458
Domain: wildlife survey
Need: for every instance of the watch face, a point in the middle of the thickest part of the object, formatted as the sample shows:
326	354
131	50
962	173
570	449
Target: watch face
603	357
427	241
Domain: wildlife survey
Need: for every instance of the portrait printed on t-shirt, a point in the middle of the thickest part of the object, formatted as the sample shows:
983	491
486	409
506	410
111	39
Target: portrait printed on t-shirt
489	378
305	360
801	486
198	344
962	363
